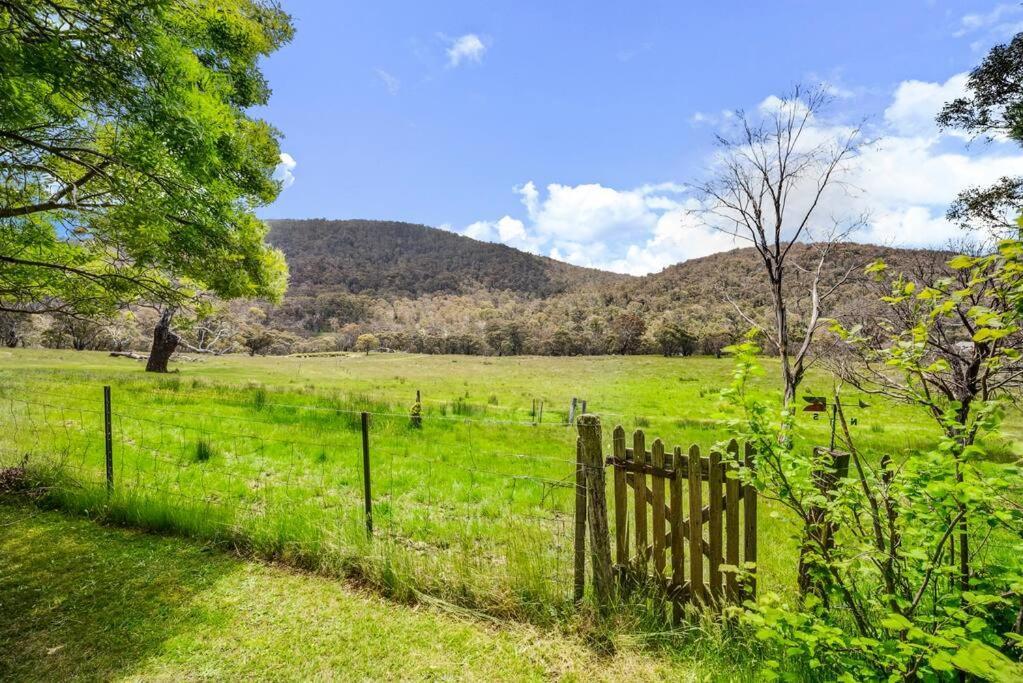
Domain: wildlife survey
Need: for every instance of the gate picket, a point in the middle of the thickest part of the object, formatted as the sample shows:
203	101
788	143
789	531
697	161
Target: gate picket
732	497
657	500
639	484
621	502
695	527
714	524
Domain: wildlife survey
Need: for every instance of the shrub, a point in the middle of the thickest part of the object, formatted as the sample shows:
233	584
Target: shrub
879	596
203	450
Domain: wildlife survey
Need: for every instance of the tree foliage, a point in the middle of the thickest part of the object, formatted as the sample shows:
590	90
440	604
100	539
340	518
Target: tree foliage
888	600
130	165
992	108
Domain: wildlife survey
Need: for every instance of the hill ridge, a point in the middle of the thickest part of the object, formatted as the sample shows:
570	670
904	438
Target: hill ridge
427	289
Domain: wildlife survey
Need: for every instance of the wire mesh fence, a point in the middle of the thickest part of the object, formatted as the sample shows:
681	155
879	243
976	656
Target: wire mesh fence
457	513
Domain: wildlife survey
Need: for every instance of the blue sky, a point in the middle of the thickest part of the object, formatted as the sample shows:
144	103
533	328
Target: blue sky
571	128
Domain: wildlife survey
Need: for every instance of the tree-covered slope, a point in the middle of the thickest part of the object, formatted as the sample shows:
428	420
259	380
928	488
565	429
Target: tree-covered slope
404	259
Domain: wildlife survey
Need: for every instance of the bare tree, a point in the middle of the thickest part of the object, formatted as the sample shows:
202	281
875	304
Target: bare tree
772	182
214	333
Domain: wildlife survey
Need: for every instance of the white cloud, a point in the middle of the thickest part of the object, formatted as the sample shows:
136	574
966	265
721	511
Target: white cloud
467	48
903	184
507	230
1003	19
575	223
916	103
390	81
679	235
530	197
284	172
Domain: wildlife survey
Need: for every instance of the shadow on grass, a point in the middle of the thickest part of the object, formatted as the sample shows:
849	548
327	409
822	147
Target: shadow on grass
77	602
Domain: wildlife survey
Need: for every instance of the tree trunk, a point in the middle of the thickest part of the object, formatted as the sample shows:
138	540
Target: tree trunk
164	344
781	321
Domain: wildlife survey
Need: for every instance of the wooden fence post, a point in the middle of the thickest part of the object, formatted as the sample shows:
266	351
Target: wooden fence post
600	541
831	467
579	579
571	412
108	438
365	475
749	524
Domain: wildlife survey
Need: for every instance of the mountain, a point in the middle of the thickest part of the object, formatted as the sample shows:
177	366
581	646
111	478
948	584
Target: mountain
403	259
423	289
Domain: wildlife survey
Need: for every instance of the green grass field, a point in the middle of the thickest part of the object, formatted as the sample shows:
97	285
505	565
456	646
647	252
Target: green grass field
474	508
84	602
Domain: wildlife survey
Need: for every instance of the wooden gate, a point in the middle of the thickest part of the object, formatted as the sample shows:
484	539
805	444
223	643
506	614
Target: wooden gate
676	495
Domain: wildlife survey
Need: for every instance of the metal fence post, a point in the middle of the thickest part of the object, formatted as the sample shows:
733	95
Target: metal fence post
365	475
108	438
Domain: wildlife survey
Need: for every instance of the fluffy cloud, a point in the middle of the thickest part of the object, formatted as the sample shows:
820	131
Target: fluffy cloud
916	103
902	184
575	223
507	230
467	48
284	172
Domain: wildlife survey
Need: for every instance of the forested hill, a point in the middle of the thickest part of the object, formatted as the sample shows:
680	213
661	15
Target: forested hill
405	259
427	290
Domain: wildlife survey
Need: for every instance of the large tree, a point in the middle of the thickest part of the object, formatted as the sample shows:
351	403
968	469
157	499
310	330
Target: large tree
130	165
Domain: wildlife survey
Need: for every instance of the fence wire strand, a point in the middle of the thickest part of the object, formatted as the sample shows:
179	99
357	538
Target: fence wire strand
184	465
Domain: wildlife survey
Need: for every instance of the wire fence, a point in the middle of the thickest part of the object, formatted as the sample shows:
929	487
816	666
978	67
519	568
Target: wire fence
455	512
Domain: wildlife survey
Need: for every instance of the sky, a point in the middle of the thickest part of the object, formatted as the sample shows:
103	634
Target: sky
577	130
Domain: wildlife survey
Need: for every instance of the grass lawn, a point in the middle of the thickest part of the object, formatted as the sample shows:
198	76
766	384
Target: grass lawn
86	602
475	507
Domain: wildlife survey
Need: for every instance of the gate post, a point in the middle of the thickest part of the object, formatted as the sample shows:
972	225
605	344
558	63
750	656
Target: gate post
831	466
592	457
579	577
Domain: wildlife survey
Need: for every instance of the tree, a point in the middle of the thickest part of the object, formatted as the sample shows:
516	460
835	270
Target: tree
674	340
771	180
367	342
993	107
130	165
214	330
627	330
120	331
262	341
13	328
505	338
72	331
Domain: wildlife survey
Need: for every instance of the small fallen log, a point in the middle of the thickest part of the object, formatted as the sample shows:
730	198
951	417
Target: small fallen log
129	354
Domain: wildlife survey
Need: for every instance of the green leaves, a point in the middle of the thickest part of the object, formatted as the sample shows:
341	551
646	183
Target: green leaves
962	262
132	136
985	662
896	622
876	267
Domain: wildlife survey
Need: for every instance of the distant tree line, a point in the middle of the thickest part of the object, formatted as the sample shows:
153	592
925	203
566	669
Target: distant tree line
678	312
